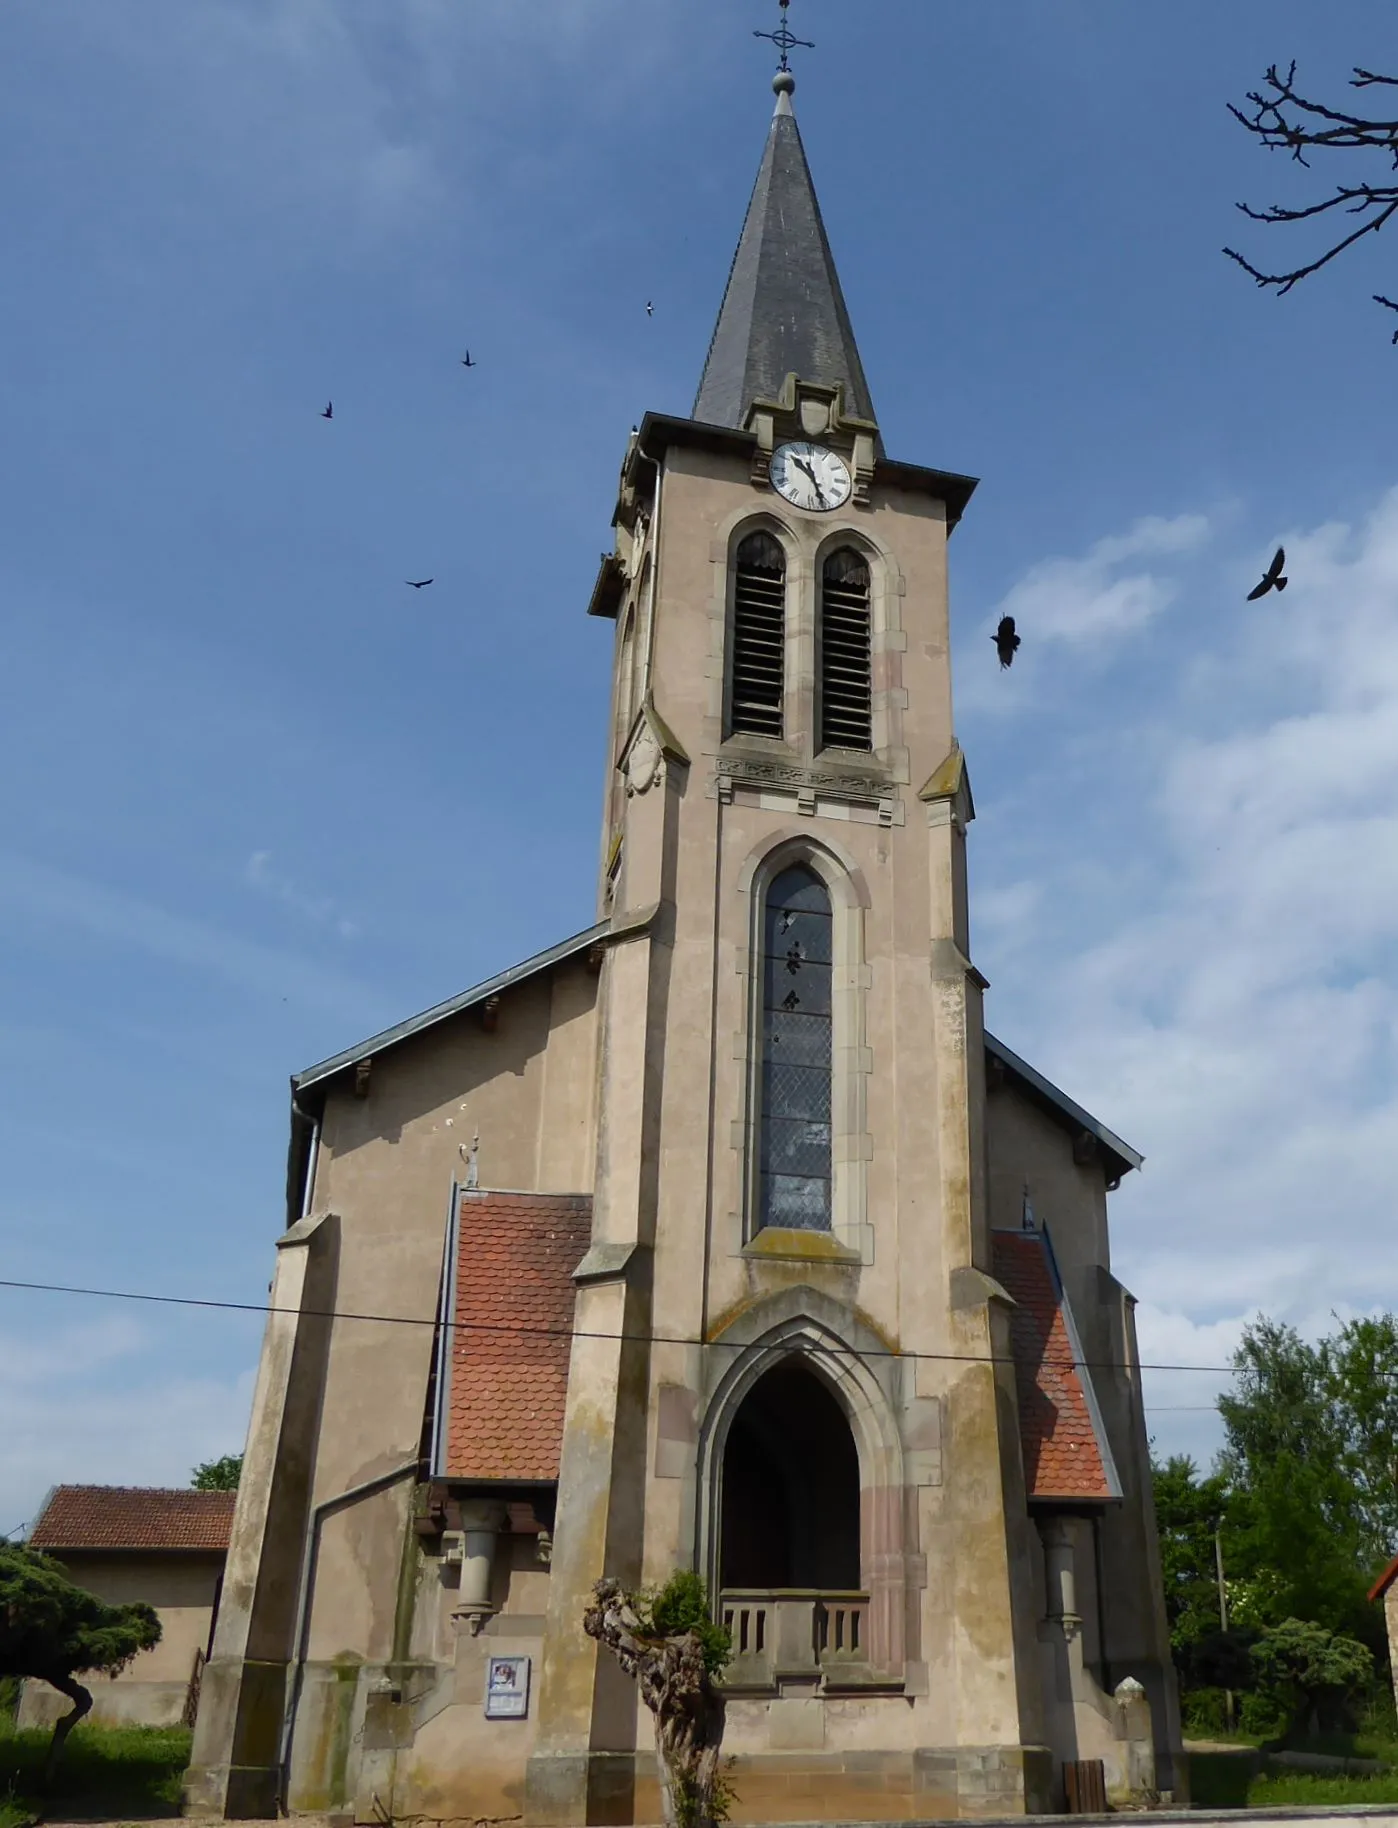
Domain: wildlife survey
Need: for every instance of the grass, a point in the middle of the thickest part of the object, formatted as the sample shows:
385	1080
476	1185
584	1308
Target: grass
1319	1790
107	1773
1243	1780
1366	1743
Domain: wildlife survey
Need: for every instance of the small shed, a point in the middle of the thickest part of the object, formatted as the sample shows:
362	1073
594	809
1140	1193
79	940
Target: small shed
161	1545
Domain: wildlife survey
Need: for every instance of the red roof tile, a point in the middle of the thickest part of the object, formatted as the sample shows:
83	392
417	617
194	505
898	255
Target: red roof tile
133	1517
1063	1455
516	1253
1385	1580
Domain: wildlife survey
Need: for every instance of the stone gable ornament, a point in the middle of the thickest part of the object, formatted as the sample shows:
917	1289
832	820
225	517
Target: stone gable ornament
645	763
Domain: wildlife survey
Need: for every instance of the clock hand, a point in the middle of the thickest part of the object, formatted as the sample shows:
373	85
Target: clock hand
801	464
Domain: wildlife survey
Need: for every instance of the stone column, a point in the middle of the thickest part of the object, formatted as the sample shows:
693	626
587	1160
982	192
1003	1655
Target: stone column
481	1524
235	1769
1061	1576
997	1694
583	1765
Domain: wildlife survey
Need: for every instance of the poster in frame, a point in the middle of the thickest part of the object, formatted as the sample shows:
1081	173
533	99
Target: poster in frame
507	1688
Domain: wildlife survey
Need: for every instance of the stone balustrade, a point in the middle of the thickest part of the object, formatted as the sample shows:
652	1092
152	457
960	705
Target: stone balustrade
793	1631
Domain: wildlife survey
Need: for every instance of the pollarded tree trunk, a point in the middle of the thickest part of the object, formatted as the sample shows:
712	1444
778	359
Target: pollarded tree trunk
676	1686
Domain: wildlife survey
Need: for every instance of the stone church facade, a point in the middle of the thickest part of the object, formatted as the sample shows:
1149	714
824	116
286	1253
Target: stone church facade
721	1235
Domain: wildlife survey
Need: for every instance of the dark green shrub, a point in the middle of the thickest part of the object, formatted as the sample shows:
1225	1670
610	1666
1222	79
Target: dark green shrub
681	1605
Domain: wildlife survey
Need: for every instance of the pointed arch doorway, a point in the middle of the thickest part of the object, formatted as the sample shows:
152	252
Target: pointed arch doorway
789	1544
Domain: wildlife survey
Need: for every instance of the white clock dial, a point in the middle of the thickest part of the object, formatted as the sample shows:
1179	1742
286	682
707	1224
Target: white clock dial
809	476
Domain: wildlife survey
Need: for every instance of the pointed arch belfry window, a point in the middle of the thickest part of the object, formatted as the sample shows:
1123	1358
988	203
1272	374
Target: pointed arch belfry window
757	651
846	653
794	1166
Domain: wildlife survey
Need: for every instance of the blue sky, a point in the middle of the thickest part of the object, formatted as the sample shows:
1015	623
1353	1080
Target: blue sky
261	799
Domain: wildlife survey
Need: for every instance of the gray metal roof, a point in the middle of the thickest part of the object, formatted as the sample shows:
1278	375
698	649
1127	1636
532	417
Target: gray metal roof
580	942
1123	1152
783	312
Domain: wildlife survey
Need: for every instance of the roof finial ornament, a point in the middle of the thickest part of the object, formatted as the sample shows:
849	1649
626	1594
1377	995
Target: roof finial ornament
786	42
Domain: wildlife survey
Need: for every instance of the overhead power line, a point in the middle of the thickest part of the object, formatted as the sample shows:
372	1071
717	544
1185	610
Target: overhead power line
513	1327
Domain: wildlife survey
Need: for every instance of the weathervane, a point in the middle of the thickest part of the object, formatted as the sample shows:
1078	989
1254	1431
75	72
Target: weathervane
785	39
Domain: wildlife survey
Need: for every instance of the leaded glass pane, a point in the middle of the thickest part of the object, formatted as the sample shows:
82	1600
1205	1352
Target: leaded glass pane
795	1152
796	1039
803	1205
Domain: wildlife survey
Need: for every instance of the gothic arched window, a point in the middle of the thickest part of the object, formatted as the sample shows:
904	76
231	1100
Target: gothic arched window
757	663
794	1153
846	654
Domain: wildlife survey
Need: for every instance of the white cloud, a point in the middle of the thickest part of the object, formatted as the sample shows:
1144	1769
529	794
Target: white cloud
1085	599
1234	1012
34	892
341	121
320	910
87	1404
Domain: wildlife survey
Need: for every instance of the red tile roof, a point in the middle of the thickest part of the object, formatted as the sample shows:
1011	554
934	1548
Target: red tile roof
133	1517
516	1253
1064	1456
1385	1580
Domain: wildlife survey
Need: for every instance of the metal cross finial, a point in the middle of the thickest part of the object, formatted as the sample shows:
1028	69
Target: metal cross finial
785	39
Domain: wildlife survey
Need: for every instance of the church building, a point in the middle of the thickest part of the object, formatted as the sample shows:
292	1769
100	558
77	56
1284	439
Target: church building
719	1236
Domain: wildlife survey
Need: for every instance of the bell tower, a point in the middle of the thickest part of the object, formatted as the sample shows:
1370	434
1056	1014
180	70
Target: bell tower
790	1282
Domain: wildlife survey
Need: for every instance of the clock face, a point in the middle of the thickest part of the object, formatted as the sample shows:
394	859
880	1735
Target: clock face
809	476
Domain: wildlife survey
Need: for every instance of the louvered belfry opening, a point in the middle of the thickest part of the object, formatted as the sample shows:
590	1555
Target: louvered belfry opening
795	1158
846	682
757	670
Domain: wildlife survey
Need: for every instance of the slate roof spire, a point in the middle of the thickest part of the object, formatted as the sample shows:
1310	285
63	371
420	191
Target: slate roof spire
783	312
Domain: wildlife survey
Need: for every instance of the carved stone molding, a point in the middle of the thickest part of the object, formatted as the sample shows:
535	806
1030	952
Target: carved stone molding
800	781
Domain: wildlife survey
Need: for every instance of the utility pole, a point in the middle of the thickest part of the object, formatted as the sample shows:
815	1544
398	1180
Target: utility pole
1222	1612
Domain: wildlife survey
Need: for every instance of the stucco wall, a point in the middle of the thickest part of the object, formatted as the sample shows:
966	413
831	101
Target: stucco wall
153	1691
386	1166
525	1085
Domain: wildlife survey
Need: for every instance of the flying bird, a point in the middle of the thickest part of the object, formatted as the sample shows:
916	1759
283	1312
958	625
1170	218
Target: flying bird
1006	640
1273	579
417	583
329	412
650	308
466	361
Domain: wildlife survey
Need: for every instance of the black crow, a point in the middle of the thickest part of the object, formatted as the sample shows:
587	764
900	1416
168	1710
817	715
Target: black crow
329	412
466	361
417	583
1273	579
1006	640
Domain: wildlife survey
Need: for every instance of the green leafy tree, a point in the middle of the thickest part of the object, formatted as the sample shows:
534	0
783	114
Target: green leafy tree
1314	1672
1362	1373
1188	1509
1295	1534
56	1631
218	1475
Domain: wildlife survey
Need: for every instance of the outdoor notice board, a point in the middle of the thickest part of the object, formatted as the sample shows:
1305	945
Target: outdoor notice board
507	1688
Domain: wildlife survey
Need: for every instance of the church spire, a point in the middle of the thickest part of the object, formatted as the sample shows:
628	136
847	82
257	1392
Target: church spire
783	312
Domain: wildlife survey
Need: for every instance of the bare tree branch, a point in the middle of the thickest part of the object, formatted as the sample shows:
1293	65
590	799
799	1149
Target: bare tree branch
1284	120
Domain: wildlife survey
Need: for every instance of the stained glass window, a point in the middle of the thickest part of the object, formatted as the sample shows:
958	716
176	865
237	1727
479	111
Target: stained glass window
794	1165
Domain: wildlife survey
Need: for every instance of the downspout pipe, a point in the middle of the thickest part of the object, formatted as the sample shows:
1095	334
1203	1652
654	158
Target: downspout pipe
381	1482
303	1153
312	1163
